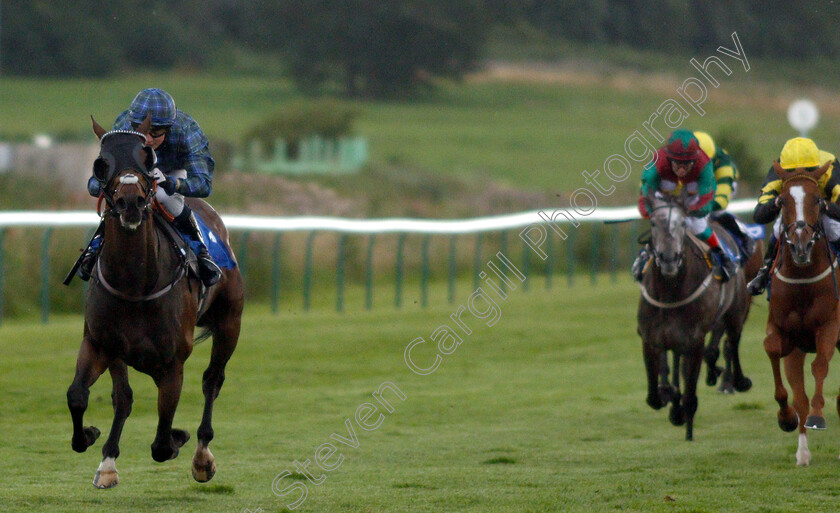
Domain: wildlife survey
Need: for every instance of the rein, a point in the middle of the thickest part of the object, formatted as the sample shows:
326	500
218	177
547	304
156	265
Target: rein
693	296
137	299
806	281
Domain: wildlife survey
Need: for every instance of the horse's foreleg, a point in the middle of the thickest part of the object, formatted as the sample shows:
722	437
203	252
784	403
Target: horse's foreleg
225	338
675	377
693	364
710	355
664	381
787	416
653	360
826	339
167	440
740	382
122	399
838	395
677	414
795	372
90	364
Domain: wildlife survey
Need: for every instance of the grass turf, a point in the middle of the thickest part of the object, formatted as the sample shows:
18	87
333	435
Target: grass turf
543	411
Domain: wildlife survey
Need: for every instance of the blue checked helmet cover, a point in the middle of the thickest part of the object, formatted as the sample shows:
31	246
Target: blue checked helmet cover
156	102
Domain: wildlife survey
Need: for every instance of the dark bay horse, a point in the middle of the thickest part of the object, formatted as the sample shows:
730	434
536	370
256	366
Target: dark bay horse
804	316
681	302
142	307
731	378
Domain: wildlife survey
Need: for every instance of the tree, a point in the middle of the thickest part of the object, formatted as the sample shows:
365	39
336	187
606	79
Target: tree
379	49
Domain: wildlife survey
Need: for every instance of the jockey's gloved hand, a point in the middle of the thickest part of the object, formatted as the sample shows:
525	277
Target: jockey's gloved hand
158	175
692	200
169	185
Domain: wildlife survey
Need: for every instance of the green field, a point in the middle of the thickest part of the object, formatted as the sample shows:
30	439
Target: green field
529	133
543	411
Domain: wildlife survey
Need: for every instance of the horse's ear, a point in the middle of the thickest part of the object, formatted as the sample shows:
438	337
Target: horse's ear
821	171
146	125
97	128
782	173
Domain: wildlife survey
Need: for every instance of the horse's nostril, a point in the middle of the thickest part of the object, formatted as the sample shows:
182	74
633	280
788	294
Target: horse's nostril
121	205
140	202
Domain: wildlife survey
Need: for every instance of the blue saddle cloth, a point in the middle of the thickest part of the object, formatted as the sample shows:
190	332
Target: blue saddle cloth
217	249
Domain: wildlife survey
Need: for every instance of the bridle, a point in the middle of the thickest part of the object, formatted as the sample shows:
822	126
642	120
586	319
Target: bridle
697	292
817	230
127	176
658	257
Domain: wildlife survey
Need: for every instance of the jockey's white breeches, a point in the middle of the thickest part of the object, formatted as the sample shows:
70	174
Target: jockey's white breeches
697	225
173	204
831	227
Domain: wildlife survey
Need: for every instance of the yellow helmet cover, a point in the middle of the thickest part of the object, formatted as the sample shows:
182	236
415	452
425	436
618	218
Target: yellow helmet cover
799	152
706	143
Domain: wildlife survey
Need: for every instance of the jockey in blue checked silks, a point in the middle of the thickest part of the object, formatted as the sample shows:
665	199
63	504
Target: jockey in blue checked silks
184	168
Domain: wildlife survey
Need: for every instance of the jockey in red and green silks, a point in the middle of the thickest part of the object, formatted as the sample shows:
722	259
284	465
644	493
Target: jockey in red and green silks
682	165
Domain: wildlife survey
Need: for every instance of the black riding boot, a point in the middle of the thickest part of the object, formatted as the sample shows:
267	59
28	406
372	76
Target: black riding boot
89	258
726	267
208	271
758	284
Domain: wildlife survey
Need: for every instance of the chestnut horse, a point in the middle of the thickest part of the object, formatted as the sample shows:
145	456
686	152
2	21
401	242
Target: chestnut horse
681	302
142	307
804	316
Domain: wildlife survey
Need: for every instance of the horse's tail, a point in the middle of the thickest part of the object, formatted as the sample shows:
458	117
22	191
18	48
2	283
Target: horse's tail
204	335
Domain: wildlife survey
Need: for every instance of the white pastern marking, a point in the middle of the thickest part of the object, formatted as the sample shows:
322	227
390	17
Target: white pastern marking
803	455
129	179
798	194
108	464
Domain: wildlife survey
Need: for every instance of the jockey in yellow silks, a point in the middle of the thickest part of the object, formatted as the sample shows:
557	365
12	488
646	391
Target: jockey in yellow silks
798	152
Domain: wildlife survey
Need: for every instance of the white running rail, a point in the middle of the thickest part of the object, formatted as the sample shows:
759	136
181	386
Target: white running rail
348	225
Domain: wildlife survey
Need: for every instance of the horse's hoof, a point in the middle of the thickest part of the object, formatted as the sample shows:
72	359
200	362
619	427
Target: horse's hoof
712	375
726	388
664	395
161	454
106	479
655	402
815	422
789	425
803	457
677	415
743	384
90	435
203	464
106	475
205	472
180	437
